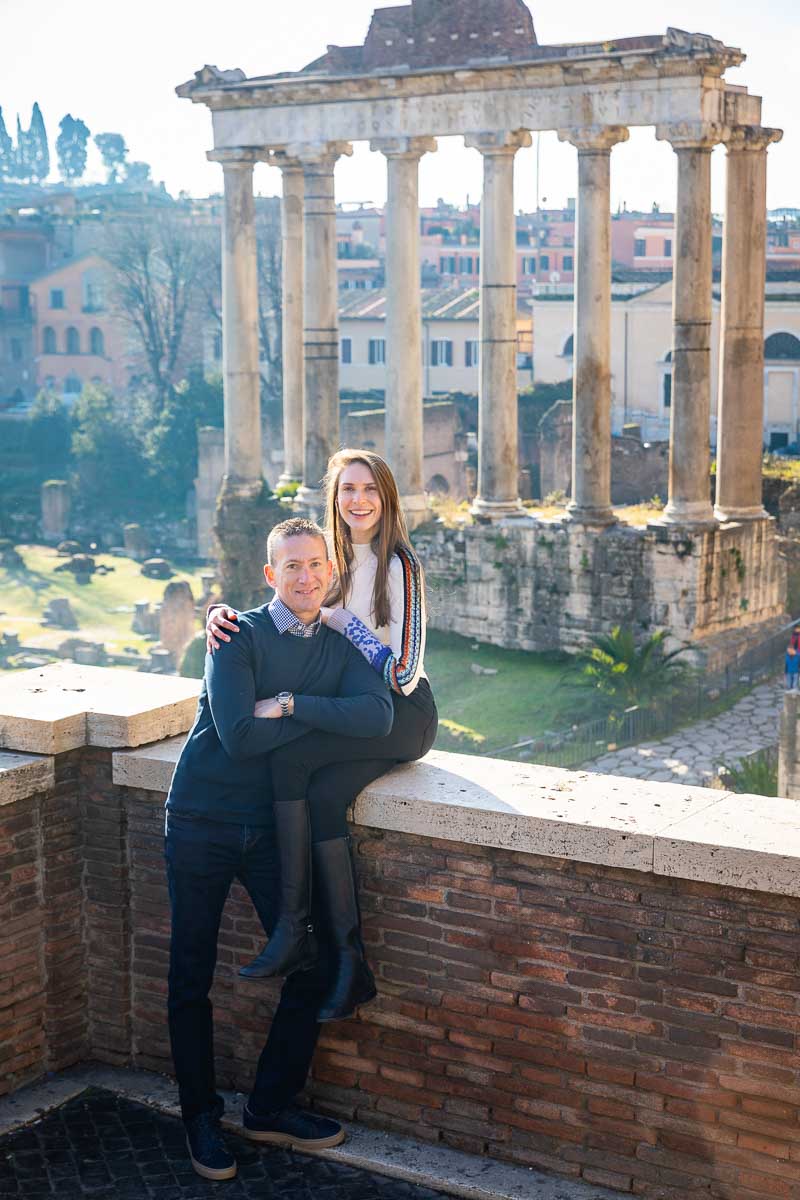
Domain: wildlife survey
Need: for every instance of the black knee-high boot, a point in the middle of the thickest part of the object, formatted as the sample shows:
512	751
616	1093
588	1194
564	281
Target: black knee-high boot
292	945
335	879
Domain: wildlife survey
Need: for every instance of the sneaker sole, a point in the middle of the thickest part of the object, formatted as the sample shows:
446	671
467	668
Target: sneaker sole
211	1172
286	1139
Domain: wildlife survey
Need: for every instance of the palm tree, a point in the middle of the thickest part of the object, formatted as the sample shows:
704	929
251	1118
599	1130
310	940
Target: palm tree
625	673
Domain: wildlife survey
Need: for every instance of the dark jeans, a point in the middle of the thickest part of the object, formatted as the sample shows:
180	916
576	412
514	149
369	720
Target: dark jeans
330	770
203	859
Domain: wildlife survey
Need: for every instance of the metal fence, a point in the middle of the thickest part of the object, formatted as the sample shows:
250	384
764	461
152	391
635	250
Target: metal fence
700	698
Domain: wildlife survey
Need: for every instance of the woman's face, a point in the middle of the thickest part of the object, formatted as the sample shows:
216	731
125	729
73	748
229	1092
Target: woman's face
359	502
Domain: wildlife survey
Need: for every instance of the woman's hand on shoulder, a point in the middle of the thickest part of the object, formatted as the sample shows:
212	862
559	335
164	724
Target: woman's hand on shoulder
219	618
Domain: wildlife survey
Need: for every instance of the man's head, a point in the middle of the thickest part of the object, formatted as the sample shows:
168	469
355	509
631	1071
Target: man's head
298	566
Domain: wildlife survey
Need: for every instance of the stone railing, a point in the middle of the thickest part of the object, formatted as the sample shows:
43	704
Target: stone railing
585	973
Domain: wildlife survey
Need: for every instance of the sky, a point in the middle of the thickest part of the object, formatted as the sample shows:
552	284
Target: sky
119	73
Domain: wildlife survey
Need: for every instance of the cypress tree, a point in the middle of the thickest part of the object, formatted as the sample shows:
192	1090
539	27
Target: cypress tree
39	150
6	151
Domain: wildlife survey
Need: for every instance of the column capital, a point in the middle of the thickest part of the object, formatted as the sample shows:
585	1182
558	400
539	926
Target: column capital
692	135
498	143
751	137
318	154
239	157
283	161
404	147
594	139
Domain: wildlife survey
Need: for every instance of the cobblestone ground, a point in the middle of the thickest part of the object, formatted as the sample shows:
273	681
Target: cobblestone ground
99	1146
691	755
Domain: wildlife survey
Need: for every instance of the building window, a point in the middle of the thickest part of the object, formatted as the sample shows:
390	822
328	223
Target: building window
567	262
441	352
569	345
56	297
92	287
346	350
666	390
48	340
97	343
544	262
781	345
73	341
528	265
377	351
448	264
72	385
16	350
361	284
667	248
471	352
466	265
640	248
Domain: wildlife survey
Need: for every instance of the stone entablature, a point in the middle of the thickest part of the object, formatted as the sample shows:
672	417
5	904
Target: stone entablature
564	960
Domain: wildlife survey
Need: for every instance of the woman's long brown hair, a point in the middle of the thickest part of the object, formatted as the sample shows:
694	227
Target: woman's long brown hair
392	532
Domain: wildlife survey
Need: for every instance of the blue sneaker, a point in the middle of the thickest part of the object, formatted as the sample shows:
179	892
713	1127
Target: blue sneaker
210	1157
293	1127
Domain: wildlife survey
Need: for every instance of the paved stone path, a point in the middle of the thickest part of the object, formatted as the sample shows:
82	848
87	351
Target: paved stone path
691	755
104	1147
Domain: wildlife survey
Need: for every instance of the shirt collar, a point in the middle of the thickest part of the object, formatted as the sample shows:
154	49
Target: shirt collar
287	622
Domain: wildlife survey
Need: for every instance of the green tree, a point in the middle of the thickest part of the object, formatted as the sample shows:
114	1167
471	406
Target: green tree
137	174
49	433
625	673
38	149
71	148
113	152
6	151
109	458
21	154
172	441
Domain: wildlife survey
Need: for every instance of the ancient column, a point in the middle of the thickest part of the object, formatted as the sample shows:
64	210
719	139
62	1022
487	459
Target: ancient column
240	323
244	512
404	451
320	317
498	461
591	385
689	502
292	316
740	420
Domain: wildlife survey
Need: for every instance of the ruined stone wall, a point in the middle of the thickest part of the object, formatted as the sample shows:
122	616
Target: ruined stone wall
551	584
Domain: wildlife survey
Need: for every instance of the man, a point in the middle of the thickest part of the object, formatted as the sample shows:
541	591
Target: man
220	827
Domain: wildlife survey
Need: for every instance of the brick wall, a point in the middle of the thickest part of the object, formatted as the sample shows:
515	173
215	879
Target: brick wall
625	1028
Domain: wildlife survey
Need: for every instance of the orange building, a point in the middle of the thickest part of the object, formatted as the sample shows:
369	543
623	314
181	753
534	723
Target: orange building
78	339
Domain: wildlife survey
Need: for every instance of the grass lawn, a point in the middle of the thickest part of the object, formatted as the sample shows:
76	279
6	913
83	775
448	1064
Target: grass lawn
482	713
103	608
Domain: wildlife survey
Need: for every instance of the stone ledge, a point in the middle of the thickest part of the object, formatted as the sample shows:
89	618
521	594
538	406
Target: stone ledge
23	775
682	832
63	706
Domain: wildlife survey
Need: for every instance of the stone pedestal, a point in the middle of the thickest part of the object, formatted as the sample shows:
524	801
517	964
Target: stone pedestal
591	430
320	317
740	427
55	498
404	449
177	621
498	459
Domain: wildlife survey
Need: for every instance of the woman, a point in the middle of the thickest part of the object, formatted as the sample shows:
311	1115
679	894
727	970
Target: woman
378	603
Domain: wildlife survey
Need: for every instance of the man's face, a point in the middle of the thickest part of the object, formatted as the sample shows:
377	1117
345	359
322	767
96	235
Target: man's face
300	573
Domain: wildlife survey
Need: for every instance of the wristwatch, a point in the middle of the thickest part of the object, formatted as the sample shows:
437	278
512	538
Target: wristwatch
285	699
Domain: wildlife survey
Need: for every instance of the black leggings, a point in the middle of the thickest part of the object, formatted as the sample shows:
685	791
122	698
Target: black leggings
329	770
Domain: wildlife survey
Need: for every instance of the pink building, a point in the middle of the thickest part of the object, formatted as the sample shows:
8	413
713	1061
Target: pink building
78	340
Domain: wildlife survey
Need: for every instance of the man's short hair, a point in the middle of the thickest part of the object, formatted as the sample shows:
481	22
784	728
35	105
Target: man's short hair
293	527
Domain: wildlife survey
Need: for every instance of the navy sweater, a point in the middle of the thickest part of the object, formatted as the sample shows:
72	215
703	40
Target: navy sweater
223	771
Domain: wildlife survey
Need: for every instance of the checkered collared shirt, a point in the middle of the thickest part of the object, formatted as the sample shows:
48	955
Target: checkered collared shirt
286	621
